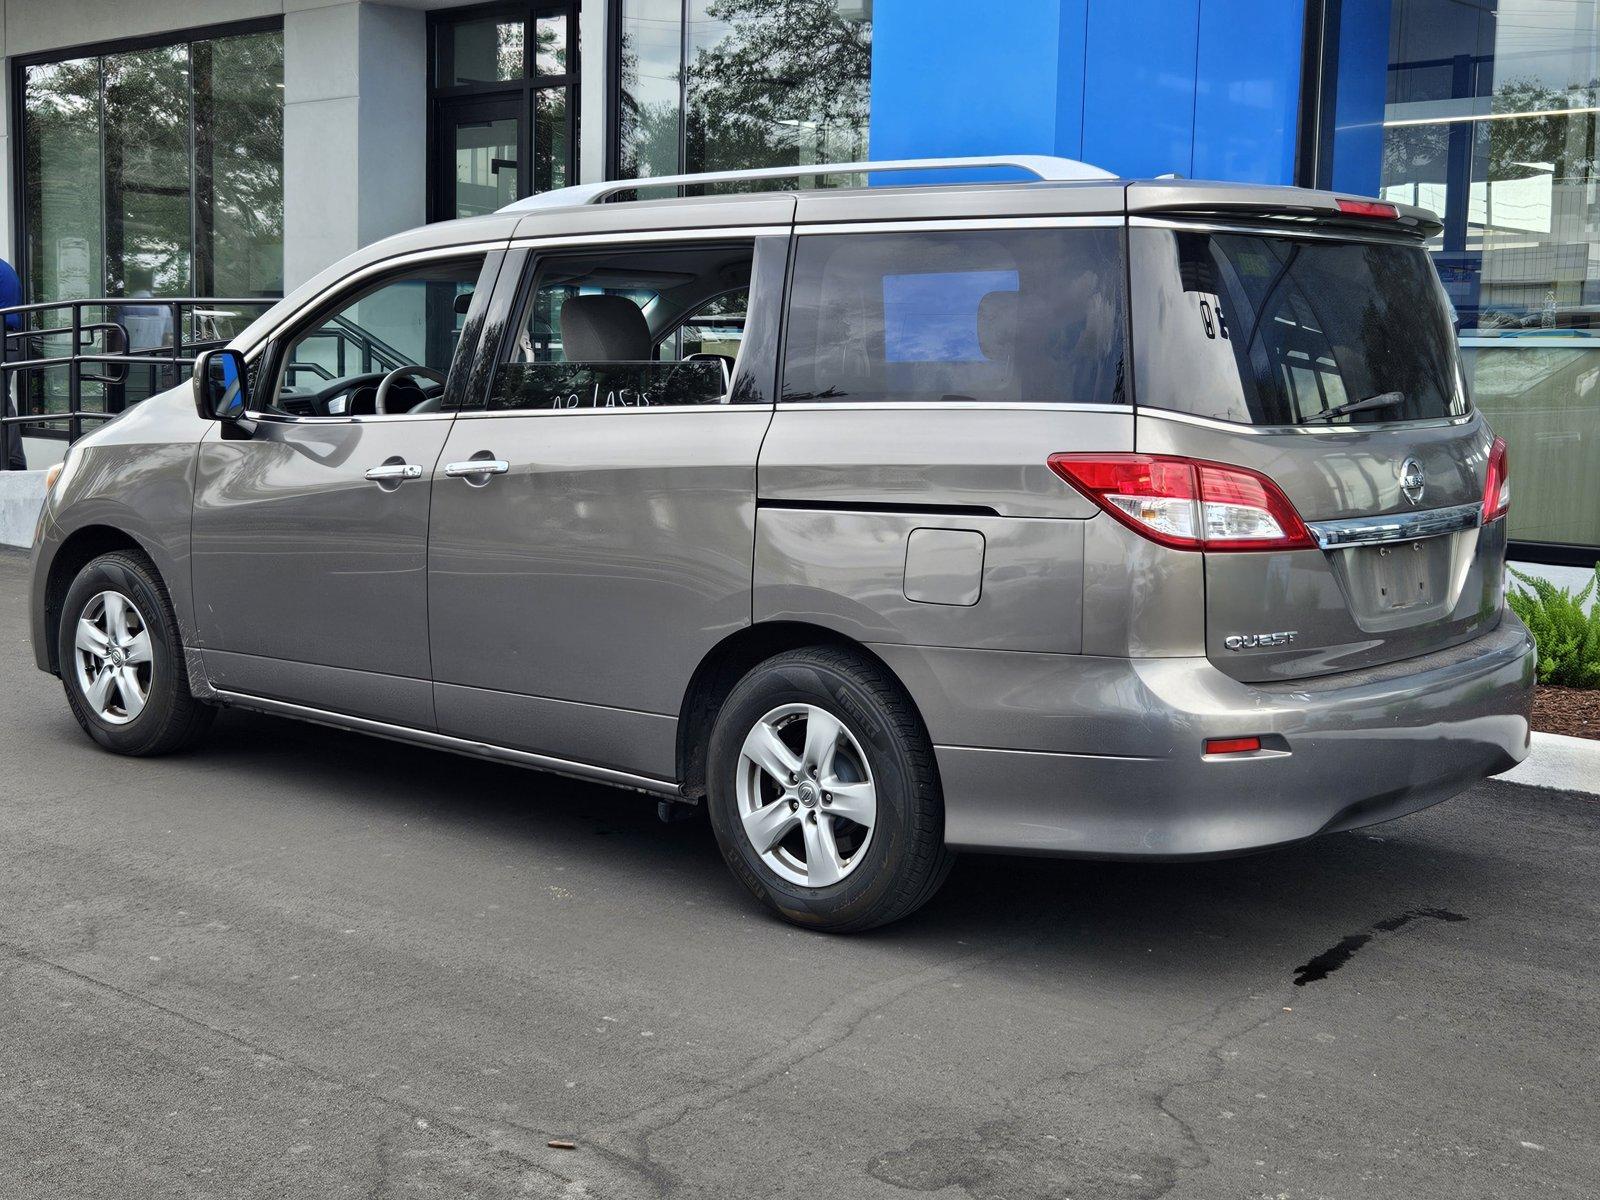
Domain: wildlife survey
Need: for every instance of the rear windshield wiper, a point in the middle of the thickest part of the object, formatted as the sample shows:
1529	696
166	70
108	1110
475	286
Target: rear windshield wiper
1381	400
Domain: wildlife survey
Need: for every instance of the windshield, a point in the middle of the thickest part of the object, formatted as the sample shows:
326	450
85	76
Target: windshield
1266	330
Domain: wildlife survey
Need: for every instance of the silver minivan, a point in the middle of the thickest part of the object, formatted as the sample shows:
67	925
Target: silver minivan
1081	516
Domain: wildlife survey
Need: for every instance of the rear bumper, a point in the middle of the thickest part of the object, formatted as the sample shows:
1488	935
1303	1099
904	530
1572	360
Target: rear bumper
1054	754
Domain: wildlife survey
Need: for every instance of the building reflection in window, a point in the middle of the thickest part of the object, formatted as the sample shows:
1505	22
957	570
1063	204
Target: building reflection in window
708	85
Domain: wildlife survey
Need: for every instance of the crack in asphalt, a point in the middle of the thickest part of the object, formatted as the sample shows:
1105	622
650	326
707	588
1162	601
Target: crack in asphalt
621	1160
21	956
627	1142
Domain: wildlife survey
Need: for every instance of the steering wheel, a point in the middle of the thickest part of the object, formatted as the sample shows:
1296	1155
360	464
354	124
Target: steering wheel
381	404
338	387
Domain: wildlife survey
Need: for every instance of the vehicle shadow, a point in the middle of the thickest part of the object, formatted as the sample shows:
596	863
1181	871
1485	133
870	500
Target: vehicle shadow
1271	911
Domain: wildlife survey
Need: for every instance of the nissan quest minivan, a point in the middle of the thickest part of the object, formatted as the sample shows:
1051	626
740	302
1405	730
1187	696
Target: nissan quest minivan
1079	516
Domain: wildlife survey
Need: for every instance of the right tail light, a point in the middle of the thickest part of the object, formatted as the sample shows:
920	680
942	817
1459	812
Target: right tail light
1186	503
1496	483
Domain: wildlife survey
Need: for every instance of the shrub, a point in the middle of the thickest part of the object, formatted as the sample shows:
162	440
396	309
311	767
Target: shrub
1566	627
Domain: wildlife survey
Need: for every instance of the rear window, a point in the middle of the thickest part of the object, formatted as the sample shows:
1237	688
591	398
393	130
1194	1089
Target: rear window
1285	331
994	316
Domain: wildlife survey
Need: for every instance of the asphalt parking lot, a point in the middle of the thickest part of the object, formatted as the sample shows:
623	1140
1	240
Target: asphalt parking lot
303	963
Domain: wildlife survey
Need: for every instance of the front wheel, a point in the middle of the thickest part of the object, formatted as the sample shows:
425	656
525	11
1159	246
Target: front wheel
824	794
122	659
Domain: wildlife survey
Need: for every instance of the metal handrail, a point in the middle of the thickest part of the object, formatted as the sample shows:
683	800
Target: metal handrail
1041	166
117	353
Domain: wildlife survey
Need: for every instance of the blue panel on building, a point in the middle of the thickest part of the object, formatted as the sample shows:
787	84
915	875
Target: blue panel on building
1141	87
1248	89
948	79
1139	81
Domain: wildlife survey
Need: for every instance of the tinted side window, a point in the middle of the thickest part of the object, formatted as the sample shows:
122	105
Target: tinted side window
994	316
612	329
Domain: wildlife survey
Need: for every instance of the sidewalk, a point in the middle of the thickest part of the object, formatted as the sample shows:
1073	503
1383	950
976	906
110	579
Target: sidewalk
1555	761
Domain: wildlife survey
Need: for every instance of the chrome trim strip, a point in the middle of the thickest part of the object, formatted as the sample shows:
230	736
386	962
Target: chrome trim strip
478	414
1065	406
957	224
1267	229
1395	527
356	419
1319	430
441	741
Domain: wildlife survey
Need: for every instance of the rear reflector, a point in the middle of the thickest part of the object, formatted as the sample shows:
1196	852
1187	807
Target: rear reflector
1239	745
1185	503
1496	483
1369	208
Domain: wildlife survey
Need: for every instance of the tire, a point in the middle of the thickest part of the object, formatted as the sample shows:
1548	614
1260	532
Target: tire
122	590
866	873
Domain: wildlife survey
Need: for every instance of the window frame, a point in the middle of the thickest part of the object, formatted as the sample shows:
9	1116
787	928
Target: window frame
518	284
270	361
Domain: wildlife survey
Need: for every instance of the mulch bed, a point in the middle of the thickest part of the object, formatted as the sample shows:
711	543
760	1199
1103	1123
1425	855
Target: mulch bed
1572	711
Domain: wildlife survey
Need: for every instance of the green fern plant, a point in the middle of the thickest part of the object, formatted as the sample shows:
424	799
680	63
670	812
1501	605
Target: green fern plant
1565	626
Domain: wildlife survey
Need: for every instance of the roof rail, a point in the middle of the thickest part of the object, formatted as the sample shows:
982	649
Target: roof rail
1040	166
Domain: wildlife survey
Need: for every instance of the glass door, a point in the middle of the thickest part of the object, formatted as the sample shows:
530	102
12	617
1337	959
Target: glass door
479	156
504	104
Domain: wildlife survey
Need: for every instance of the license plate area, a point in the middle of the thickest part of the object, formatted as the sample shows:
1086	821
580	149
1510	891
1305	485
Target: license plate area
1402	575
1398	583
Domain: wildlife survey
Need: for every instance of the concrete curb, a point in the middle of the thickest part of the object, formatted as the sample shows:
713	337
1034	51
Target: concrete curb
1556	761
21	496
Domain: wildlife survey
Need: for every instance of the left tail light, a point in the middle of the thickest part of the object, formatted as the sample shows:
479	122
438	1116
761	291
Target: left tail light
1496	483
1186	503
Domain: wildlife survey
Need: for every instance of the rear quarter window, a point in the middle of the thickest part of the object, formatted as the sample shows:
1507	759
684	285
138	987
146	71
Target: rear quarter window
992	316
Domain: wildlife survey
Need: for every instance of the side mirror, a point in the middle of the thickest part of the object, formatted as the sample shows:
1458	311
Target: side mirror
221	386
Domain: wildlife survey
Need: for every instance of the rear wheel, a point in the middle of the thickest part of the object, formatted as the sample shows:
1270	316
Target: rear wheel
122	659
824	793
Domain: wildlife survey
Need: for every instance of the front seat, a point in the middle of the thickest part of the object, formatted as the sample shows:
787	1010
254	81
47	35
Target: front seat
606	329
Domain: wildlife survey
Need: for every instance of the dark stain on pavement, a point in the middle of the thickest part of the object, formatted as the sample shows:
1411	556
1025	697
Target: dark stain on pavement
1334	957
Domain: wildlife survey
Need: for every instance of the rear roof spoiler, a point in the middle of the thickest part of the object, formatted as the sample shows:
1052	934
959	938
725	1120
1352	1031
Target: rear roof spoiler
1268	205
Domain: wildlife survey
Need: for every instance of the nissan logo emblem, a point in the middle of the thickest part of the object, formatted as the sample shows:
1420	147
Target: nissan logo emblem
1412	480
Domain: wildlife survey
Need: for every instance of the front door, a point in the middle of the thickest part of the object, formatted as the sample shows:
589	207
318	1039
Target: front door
310	534
594	517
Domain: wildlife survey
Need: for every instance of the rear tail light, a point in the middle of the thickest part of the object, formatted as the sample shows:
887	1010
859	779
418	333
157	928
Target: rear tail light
1187	504
1369	208
1496	483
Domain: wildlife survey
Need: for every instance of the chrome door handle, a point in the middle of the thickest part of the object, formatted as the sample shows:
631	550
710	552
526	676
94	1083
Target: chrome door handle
477	466
392	471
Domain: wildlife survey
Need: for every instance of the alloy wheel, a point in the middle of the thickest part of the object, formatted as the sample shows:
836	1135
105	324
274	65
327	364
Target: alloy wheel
806	798
113	657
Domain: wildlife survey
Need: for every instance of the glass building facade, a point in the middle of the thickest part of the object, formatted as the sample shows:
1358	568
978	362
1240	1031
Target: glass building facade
156	170
1488	112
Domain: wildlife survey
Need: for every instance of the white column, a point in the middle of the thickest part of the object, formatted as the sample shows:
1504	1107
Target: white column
595	57
354	130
